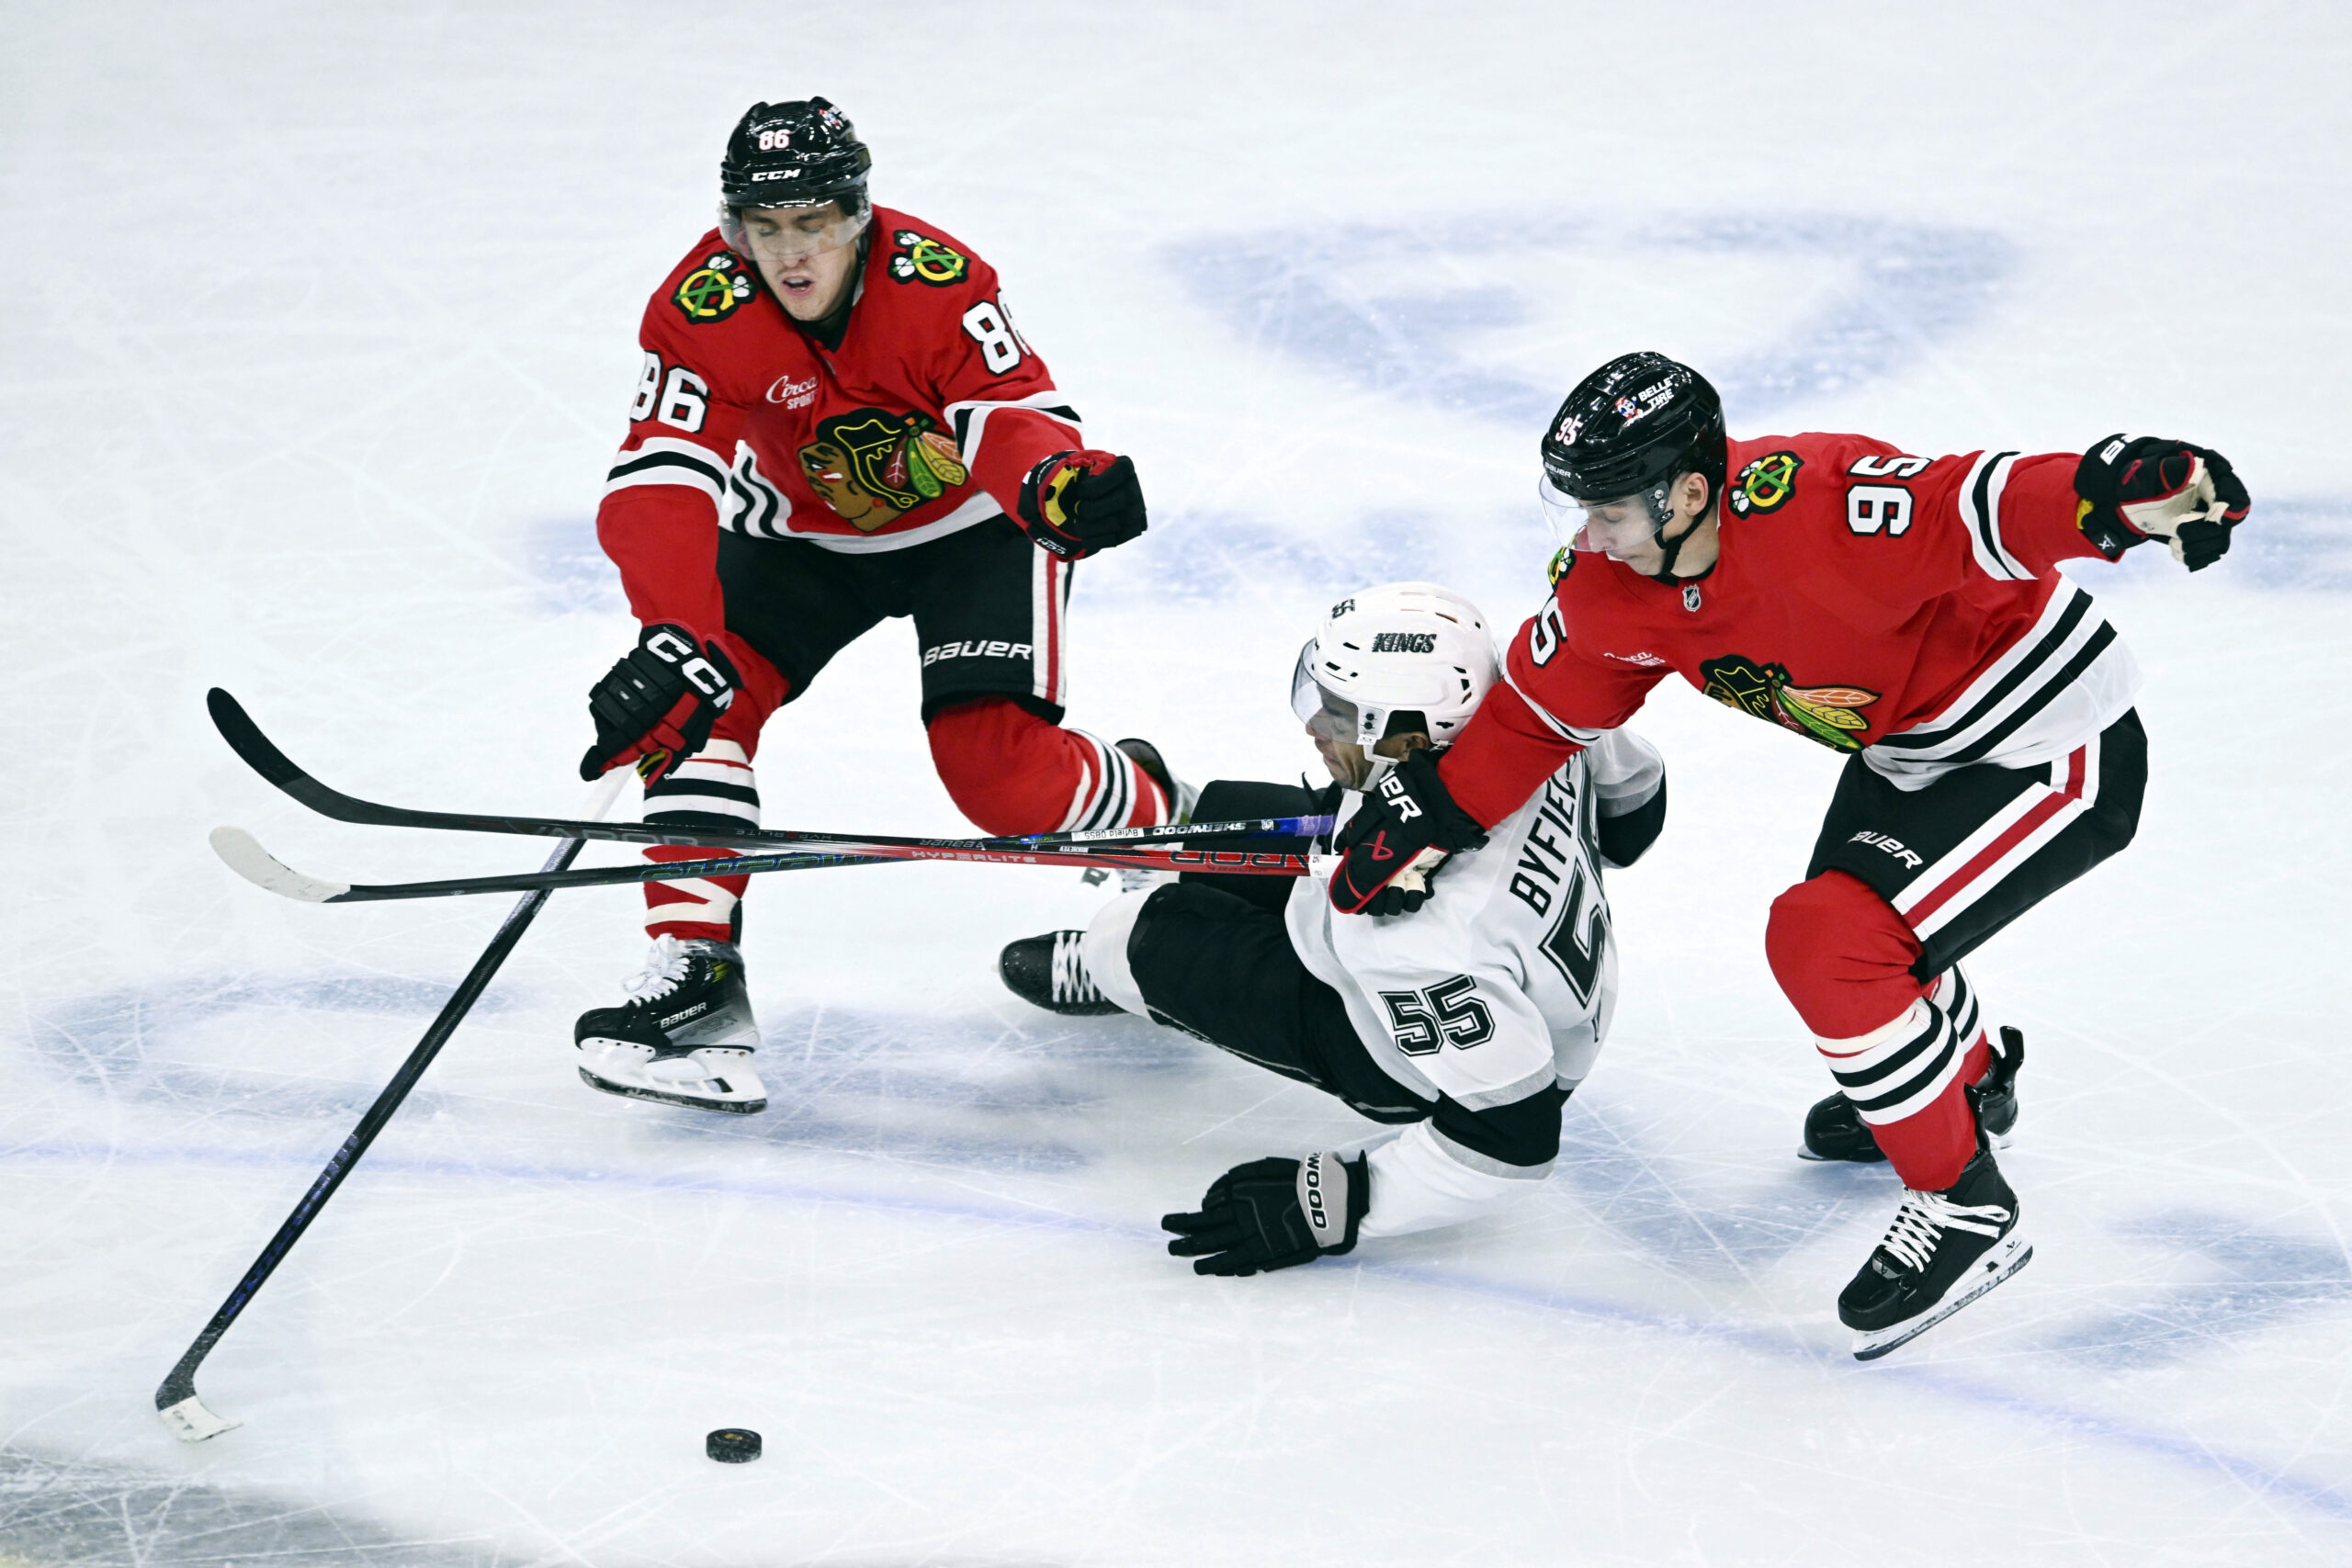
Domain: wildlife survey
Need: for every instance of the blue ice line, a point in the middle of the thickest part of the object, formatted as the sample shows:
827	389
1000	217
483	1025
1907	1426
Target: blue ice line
2251	1473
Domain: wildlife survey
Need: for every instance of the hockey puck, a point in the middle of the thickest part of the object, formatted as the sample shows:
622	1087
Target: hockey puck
732	1445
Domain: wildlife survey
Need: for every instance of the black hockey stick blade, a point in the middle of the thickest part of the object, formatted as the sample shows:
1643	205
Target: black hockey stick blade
245	738
244	855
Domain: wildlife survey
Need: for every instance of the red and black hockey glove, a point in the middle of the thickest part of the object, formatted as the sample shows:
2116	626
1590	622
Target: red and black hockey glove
659	703
2156	489
1406	812
1075	504
1274	1214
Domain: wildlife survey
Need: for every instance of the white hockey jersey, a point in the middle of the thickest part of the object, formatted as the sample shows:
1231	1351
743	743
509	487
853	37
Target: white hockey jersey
1492	1000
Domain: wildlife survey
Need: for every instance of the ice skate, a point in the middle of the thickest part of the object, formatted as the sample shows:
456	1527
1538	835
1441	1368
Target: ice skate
1835	1130
686	1035
1943	1251
1048	972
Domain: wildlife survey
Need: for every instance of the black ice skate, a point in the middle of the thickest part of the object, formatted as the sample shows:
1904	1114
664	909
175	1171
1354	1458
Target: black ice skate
1046	970
1943	1251
686	1035
1835	1130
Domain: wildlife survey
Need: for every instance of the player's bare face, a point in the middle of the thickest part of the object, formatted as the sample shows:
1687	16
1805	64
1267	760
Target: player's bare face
805	255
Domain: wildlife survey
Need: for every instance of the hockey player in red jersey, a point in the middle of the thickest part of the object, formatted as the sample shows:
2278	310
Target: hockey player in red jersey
1901	610
836	422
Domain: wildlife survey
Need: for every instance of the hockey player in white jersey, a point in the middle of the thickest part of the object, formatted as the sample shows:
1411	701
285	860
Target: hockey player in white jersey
1469	1025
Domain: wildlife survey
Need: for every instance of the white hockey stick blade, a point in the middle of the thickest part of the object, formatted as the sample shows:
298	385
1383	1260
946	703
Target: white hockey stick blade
191	1422
245	856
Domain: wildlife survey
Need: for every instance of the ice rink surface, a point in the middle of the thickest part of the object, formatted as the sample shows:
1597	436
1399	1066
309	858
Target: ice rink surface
321	326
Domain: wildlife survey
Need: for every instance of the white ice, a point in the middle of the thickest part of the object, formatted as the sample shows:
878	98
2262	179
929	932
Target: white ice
320	326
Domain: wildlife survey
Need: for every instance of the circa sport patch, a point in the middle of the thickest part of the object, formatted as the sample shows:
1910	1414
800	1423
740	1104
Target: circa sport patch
921	259
1765	485
713	291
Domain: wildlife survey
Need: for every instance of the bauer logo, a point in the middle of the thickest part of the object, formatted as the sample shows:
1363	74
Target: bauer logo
1404	642
976	649
1345	606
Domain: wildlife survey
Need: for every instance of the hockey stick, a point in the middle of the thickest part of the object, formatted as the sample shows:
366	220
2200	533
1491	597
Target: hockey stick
176	1400
245	856
245	738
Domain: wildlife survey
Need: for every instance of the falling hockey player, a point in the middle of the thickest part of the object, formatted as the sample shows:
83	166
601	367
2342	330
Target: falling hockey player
836	422
1906	612
1469	1026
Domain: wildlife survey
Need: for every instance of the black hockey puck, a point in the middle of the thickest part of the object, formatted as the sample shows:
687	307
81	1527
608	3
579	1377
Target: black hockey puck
732	1445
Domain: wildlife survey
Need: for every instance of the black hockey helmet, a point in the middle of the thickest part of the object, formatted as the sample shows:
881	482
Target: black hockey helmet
1632	426
794	154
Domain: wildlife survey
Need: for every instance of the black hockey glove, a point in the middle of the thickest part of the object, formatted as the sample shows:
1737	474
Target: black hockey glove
1407	813
1075	504
2157	489
1274	1214
659	703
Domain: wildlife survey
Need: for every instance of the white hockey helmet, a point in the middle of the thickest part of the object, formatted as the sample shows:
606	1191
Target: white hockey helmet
1401	657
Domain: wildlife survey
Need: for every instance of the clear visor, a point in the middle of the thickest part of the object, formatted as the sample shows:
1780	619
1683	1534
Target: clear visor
1616	527
778	236
1326	713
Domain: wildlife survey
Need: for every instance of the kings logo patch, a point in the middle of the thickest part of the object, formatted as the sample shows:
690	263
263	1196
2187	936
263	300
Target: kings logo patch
1825	713
921	259
1765	485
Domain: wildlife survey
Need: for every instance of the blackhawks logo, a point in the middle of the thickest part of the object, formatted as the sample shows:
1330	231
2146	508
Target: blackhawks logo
1563	560
921	259
870	467
713	290
1819	713
1765	485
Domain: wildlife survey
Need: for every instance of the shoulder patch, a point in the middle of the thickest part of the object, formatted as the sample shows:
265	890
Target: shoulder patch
1765	485
921	259
1564	561
715	290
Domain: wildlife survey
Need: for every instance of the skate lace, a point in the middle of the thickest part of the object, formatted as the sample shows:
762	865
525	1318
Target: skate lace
1072	982
665	970
1925	1216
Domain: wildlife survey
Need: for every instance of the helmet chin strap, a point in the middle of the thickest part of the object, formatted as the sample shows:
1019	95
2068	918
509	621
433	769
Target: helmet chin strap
1662	514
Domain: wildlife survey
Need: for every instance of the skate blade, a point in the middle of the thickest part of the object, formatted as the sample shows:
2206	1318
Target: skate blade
2001	1260
638	1091
1805	1152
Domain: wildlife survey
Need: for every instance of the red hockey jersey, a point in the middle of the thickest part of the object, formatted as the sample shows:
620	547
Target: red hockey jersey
922	422
1902	607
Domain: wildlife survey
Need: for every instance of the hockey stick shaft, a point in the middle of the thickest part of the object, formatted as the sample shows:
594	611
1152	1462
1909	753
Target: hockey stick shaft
257	865
262	755
176	1397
